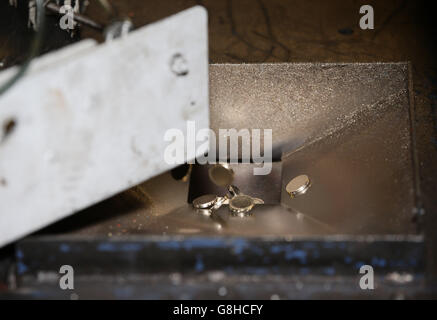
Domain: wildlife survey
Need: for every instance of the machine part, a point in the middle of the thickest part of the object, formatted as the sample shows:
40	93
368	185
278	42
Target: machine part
221	174
298	186
76	143
204	202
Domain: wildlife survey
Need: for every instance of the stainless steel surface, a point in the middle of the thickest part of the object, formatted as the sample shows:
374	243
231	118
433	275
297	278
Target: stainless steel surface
346	125
264	220
362	175
302	102
298	185
349	127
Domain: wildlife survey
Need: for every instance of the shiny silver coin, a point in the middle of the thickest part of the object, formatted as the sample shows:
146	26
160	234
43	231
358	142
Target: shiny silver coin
298	186
204	202
242	204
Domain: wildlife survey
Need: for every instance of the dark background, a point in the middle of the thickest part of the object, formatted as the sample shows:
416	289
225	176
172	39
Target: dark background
291	31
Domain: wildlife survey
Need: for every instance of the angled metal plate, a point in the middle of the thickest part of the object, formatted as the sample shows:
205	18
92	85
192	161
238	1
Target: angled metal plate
86	124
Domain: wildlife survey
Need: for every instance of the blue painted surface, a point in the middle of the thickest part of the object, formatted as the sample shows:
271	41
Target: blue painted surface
64	248
131	247
199	243
310	245
290	253
199	267
304	271
256	257
106	246
116	247
300	255
123	292
330	271
329	245
240	245
276	249
378	262
21	268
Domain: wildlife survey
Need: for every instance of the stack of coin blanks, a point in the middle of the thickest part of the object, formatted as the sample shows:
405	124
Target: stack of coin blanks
240	204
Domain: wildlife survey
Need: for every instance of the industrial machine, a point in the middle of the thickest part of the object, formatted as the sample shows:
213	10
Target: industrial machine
84	181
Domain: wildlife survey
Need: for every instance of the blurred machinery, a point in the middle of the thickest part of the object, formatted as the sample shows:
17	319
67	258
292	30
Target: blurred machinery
76	6
347	127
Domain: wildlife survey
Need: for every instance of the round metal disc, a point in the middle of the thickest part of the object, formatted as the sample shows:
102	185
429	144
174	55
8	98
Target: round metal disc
298	185
241	204
205	201
221	174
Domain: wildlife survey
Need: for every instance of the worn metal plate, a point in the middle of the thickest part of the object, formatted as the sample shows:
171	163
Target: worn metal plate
347	126
85	125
